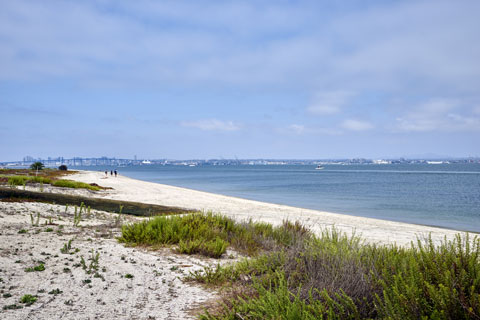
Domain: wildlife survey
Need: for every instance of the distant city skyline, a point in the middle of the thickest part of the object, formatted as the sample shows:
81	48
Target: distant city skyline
240	79
88	161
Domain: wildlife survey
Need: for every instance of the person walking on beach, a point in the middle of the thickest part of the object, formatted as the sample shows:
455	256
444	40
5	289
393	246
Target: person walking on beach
106	173
111	172
115	173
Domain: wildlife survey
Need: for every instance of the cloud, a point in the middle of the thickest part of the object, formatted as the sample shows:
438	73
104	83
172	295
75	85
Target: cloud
297	128
356	125
288	43
395	47
300	129
438	115
327	103
212	125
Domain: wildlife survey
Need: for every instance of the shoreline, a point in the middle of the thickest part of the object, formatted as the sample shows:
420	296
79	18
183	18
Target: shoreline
370	229
305	208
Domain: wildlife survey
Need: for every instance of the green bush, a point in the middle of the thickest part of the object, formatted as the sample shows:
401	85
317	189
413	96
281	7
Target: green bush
214	248
189	246
40	180
21	180
209	234
332	276
18	180
338	277
432	281
274	300
194	233
28	299
40	267
74	184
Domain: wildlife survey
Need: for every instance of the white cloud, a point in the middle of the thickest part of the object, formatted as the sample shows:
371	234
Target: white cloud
323	109
394	46
438	115
212	125
297	128
356	125
464	123
326	103
182	42
300	129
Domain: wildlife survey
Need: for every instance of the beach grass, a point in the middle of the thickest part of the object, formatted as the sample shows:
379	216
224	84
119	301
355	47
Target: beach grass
74	184
292	274
210	234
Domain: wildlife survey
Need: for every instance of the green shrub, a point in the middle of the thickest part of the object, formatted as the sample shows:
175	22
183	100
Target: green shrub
56	292
18	180
40	180
40	267
28	299
432	281
332	276
338	277
194	233
189	246
209	234
74	184
259	266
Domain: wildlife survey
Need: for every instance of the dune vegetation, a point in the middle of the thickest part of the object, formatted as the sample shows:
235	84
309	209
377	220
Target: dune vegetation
19	177
291	273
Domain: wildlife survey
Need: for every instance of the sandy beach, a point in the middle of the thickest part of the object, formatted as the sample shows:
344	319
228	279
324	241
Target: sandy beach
134	283
124	283
372	230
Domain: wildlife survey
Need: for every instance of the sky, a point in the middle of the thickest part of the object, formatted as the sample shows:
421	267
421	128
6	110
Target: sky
246	79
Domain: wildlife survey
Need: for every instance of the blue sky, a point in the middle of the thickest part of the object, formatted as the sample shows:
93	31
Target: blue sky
247	79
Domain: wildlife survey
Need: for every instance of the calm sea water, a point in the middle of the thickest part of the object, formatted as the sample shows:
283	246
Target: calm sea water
444	195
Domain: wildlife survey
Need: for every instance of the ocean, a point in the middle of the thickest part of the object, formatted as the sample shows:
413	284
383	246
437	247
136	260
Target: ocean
442	195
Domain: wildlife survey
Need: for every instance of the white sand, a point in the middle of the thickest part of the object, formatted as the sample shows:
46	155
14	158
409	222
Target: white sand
156	290
372	230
